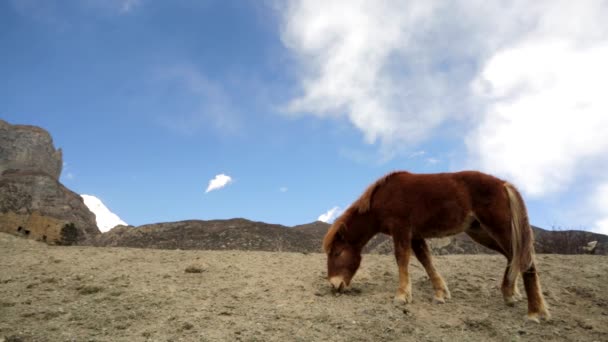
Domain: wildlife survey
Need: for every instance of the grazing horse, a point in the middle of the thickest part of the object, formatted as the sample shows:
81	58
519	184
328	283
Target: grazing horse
413	207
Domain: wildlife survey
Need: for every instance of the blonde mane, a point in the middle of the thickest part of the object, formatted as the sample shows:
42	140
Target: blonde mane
360	206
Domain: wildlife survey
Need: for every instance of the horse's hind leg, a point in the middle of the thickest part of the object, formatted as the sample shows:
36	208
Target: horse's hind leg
510	293
423	254
536	303
509	289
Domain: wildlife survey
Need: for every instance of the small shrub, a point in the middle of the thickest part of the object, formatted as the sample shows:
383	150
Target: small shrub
187	326
6	304
69	235
195	269
89	289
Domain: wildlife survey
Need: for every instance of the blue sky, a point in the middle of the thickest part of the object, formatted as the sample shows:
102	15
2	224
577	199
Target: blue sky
304	103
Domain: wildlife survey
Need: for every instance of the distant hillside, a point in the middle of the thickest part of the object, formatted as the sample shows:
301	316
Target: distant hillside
317	228
242	234
568	241
233	234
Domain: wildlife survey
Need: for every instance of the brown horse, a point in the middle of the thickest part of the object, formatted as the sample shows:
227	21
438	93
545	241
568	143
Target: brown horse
413	207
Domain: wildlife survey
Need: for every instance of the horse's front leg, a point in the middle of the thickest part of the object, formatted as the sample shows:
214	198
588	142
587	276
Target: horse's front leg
403	250
423	253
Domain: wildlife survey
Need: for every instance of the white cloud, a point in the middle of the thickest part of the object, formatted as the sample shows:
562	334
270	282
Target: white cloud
66	172
547	112
395	69
347	50
106	219
600	204
330	215
54	13
218	182
114	6
601	226
127	6
417	154
283	189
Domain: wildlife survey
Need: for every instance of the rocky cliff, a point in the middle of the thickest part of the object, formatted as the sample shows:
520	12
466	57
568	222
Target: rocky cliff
33	203
28	148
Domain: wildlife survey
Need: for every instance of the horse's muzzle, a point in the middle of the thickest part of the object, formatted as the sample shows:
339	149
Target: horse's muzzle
337	283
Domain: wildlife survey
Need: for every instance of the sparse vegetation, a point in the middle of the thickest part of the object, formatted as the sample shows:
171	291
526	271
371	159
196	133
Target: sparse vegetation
89	289
4	304
195	269
563	241
187	326
69	235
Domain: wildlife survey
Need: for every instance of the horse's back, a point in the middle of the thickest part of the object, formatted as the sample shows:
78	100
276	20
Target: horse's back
434	205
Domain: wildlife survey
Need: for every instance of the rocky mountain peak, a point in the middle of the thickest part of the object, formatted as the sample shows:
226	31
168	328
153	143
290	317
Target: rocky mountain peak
33	203
28	148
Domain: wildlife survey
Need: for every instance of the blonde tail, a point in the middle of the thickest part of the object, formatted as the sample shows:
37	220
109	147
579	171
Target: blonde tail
522	238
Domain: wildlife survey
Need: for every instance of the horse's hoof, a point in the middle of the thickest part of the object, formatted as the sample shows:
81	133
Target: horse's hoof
438	300
443	293
537	316
402	299
533	317
447	295
510	301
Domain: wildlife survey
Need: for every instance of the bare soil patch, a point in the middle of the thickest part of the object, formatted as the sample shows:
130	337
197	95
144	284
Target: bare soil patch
52	293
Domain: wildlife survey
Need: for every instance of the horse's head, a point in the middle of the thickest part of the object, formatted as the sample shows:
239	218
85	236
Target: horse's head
343	260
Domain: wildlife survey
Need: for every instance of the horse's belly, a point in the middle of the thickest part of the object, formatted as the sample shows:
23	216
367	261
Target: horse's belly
444	228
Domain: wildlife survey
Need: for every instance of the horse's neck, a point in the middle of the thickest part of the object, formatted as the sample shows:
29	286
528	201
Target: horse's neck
360	230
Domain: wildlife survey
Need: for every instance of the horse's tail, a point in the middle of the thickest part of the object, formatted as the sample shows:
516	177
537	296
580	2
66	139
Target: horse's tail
522	238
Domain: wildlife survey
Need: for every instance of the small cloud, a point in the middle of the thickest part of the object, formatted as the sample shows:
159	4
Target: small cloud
601	226
218	182
599	203
128	5
283	189
432	161
67	173
330	215
121	7
417	154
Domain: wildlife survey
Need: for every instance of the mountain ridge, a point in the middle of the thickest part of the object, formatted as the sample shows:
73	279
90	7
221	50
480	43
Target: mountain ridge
244	234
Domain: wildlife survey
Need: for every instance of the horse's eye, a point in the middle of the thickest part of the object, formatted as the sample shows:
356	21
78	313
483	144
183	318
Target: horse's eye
337	253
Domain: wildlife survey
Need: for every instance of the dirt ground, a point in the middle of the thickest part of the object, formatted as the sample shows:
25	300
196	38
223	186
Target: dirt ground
50	293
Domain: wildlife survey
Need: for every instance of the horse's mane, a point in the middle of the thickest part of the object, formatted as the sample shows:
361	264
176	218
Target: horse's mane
360	206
